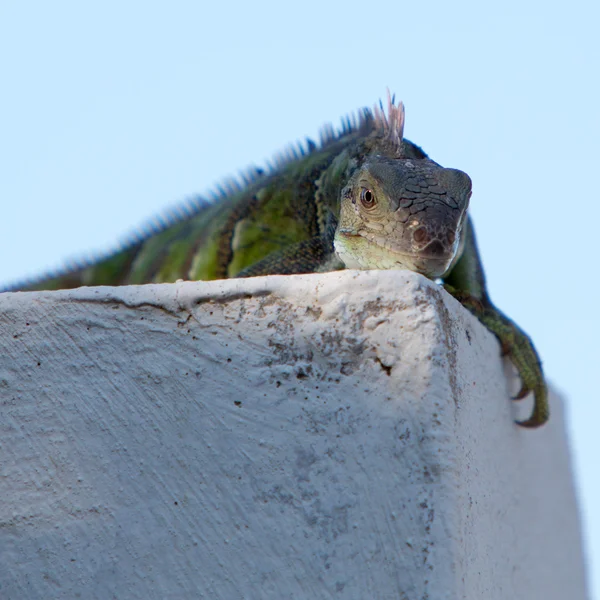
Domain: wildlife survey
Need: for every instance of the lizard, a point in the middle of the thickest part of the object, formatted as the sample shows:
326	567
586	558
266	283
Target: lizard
363	198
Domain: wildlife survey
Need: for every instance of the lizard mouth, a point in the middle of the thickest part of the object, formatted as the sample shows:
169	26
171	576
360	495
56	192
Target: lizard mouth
359	251
434	250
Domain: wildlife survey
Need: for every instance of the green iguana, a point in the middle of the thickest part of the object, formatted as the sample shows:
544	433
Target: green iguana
364	198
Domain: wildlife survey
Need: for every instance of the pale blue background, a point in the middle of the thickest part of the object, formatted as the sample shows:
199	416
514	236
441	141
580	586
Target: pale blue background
112	111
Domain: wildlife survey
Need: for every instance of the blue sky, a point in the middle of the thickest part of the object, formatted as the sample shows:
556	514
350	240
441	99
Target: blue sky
111	112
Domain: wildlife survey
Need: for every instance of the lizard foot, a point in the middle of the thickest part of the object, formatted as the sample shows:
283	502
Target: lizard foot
517	345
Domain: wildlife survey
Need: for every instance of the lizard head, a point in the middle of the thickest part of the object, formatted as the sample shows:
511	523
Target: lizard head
400	213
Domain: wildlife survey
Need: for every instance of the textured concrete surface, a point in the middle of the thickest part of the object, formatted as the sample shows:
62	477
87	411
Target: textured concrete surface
347	435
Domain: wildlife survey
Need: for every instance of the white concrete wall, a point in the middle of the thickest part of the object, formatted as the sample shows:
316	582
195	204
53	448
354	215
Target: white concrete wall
347	435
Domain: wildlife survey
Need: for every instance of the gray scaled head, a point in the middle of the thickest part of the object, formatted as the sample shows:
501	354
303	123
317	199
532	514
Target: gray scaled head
400	213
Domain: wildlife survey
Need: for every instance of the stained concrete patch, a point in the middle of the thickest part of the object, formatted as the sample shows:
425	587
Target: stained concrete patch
344	435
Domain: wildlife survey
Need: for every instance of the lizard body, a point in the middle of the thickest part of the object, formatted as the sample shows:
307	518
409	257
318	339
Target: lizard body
364	198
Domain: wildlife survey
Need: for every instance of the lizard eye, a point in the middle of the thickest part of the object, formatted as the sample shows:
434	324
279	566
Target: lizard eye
367	198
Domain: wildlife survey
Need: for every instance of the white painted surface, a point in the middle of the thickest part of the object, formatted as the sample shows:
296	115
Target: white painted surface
243	439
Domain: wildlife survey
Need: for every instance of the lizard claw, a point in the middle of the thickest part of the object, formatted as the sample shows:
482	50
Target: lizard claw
541	411
516	344
524	391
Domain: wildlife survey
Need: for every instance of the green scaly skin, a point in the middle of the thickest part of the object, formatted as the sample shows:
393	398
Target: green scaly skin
365	198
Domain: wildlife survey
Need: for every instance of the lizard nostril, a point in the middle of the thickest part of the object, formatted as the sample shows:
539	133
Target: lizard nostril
420	235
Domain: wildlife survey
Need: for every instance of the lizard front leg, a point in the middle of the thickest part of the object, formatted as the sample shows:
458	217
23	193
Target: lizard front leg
310	256
466	282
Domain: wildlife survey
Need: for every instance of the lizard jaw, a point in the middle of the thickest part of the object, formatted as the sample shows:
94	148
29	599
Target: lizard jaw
358	252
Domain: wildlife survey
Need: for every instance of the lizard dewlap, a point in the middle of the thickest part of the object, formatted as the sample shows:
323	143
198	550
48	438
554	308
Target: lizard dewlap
364	198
